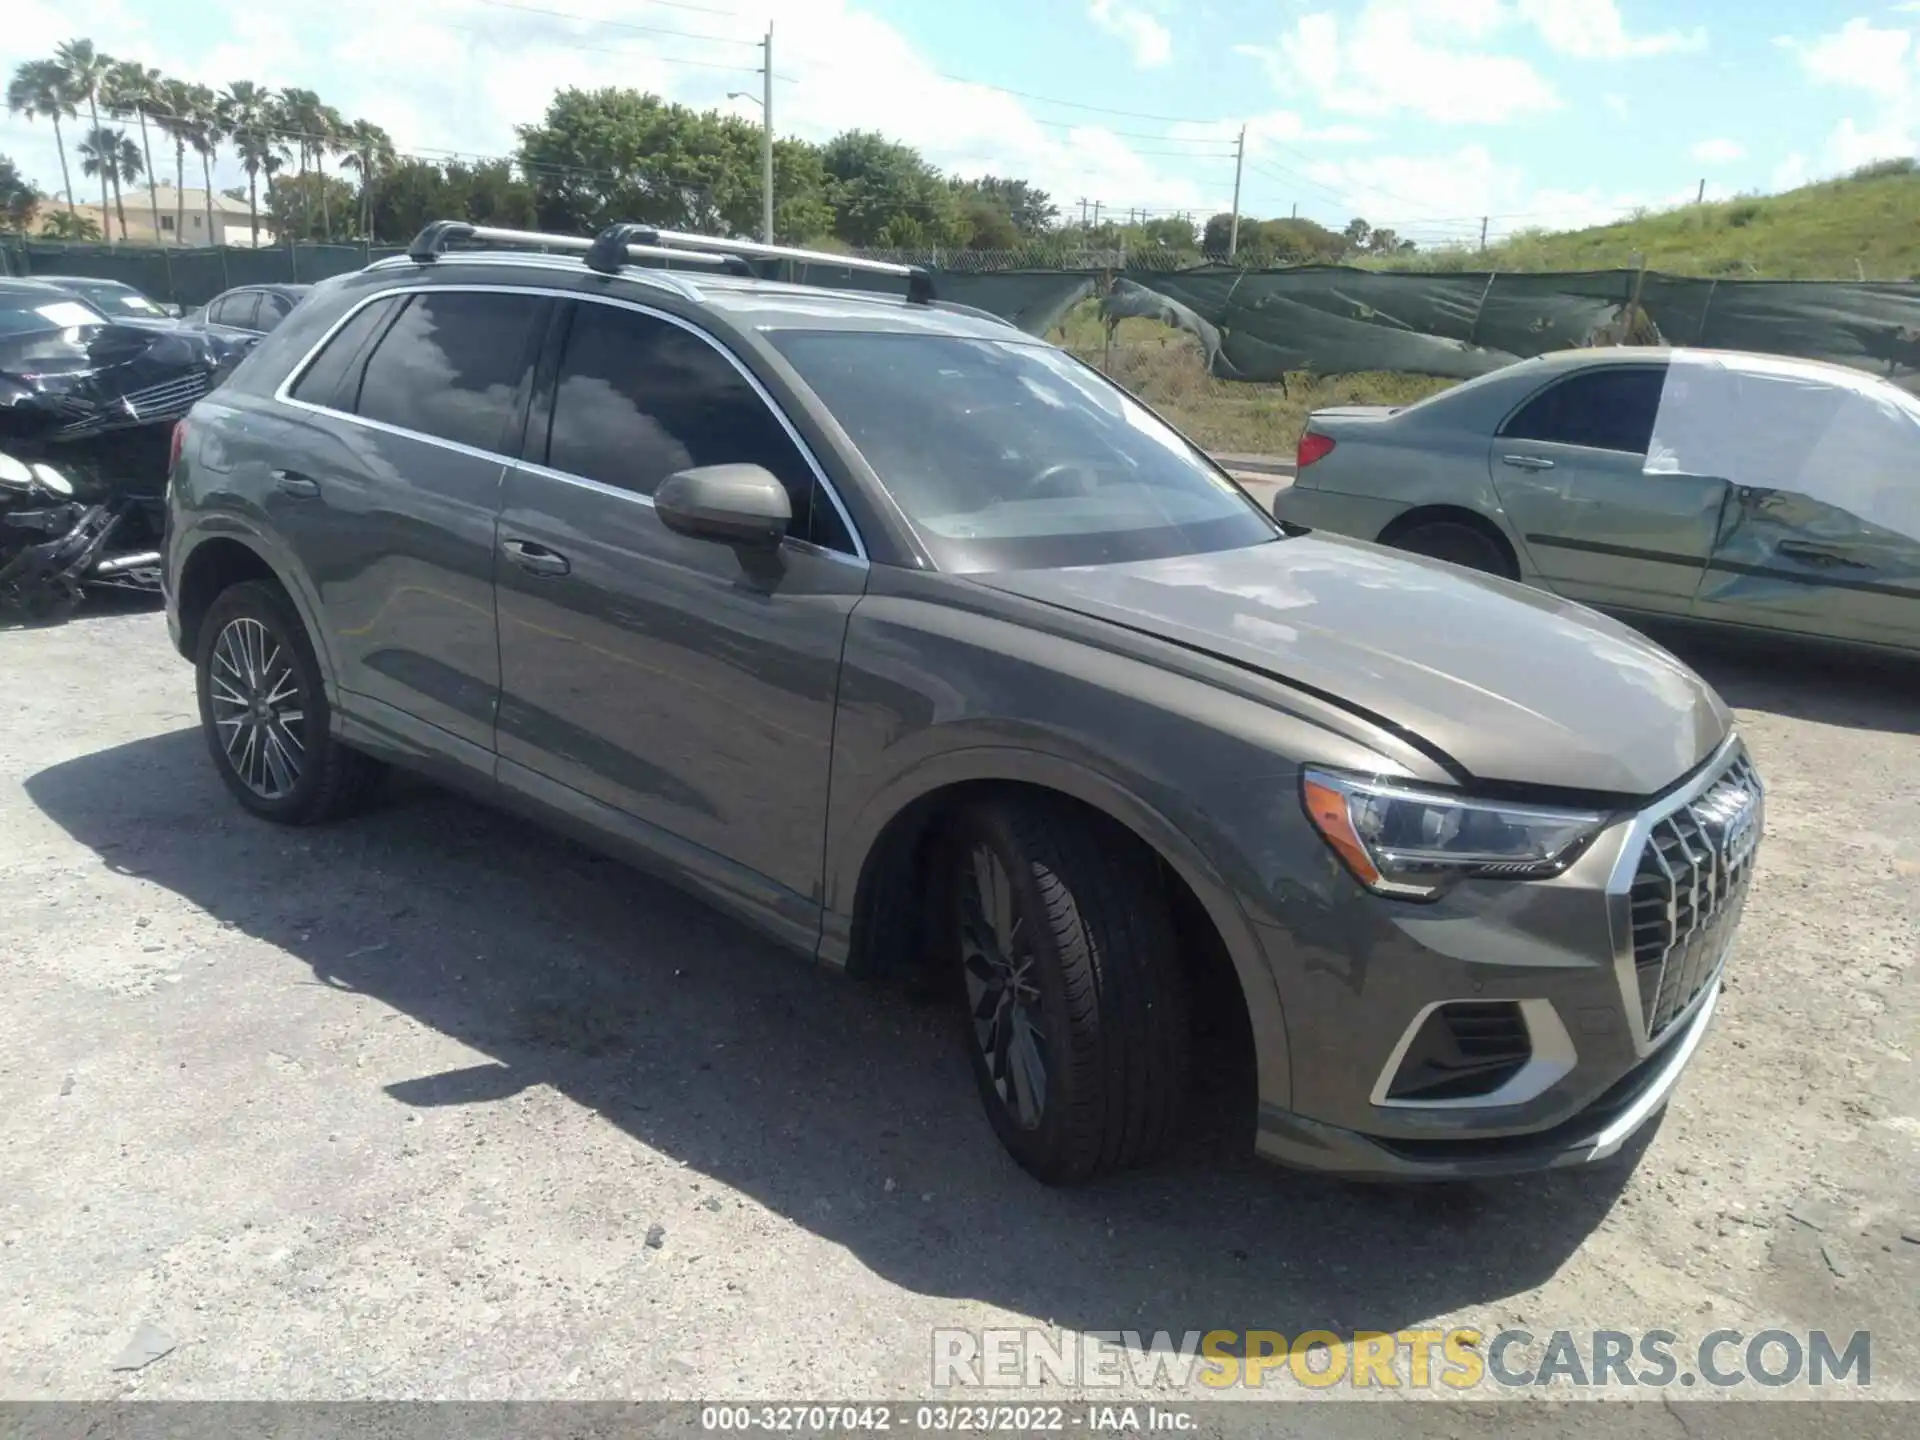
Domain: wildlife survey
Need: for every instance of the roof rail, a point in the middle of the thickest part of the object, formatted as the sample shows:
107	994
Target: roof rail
441	235
676	242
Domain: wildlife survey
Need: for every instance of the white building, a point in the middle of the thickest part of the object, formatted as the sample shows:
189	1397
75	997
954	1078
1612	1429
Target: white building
151	224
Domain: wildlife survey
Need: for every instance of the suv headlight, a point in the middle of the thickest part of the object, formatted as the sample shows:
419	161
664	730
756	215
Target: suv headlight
1412	843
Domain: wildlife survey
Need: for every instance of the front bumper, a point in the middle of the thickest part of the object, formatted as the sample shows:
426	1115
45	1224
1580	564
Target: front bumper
1614	967
1587	1137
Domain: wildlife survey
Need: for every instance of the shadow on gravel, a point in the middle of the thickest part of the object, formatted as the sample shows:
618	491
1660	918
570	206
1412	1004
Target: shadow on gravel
1802	680
848	1109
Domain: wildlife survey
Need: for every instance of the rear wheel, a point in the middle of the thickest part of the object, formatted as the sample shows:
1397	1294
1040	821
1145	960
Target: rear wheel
1076	1005
1458	544
265	715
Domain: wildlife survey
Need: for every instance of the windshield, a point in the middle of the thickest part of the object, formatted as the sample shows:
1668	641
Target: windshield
1012	455
36	333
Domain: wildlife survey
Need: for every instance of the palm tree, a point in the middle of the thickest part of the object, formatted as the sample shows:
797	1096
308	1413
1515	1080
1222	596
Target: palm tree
84	68
131	86
206	132
333	126
70	225
39	87
298	113
174	114
247	115
114	158
368	150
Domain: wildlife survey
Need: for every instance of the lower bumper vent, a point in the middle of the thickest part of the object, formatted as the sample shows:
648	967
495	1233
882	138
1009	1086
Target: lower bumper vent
1463	1049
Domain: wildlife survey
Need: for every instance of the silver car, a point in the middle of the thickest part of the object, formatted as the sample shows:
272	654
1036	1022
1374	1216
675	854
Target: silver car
1742	490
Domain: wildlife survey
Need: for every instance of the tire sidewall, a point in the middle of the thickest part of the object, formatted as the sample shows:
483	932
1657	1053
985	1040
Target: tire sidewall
255	601
1043	1149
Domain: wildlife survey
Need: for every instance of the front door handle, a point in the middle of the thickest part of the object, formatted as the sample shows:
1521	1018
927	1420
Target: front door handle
292	482
1527	462
535	558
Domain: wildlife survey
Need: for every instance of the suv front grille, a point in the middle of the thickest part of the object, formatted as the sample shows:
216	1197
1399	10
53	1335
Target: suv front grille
1688	889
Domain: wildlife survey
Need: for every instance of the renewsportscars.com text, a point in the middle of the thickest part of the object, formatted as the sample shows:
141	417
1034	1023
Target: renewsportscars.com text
1456	1359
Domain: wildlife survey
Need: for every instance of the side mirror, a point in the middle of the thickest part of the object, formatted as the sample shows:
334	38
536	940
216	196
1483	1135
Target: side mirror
739	504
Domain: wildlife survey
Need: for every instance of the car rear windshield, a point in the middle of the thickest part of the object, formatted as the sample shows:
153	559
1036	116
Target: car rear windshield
1012	455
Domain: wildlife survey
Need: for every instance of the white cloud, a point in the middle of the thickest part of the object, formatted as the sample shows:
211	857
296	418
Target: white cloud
1790	174
1595	30
1406	56
1150	41
1719	151
1883	66
1616	105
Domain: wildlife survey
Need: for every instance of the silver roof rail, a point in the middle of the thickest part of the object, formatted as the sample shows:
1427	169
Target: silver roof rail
440	235
617	244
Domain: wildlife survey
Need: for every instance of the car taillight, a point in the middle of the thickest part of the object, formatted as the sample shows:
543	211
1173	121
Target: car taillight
179	439
1312	447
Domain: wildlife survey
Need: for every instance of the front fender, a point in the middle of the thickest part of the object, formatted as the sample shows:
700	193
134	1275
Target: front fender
960	758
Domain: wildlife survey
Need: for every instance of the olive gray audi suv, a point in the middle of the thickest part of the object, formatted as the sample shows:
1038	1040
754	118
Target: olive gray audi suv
917	644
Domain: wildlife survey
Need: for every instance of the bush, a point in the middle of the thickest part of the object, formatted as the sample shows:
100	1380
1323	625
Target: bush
1743	214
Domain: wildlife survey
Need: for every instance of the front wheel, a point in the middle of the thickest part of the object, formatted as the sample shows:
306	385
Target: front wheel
1076	1004
264	712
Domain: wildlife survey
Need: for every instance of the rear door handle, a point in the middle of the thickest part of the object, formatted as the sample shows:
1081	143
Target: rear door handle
1817	554
535	558
292	482
1527	462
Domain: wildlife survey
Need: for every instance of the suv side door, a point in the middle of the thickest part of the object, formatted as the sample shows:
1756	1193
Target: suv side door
671	691
1569	467
409	413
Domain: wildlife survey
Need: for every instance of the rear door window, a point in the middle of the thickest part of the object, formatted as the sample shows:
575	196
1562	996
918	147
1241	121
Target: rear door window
332	377
236	309
637	398
273	309
1608	409
456	365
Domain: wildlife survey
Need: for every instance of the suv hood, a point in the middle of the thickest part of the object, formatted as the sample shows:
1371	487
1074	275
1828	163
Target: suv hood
1512	684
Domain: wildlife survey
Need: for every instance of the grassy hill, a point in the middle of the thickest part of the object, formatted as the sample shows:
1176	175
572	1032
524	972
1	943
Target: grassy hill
1868	222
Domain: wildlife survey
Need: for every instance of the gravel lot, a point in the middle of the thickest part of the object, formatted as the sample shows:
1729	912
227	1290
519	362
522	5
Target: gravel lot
430	1104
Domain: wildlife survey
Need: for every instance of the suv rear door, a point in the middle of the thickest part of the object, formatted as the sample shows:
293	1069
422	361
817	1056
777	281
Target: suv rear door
1569	467
411	411
673	691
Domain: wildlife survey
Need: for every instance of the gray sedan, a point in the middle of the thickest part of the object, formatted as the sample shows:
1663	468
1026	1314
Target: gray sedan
1742	490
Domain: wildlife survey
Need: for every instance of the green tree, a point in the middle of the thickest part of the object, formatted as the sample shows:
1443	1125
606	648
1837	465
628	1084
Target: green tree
1357	233
39	87
205	131
69	225
18	196
114	158
131	88
83	68
249	119
367	151
1031	210
880	189
409	193
602	156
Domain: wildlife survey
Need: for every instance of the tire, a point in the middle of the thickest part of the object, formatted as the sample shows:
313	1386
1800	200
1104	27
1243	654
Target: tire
1098	976
252	627
1459	544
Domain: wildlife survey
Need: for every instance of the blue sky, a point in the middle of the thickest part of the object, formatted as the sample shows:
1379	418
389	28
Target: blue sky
1419	114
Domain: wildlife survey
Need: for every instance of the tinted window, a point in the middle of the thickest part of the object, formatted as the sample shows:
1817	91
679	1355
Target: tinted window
1010	454
273	309
1600	409
236	309
638	398
454	365
320	383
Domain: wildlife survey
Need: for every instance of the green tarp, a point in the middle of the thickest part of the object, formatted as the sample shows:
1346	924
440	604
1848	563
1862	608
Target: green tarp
1260	324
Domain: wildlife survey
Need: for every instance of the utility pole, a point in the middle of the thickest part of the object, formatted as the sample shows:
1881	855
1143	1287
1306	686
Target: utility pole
1296	210
766	141
1702	195
1083	212
1239	161
1483	232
